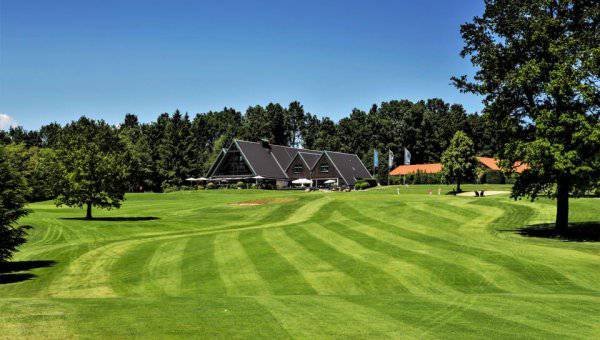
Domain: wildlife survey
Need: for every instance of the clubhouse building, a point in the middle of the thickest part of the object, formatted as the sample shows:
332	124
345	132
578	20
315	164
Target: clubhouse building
249	161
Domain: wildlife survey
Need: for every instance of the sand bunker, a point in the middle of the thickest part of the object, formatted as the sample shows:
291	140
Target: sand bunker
260	202
485	193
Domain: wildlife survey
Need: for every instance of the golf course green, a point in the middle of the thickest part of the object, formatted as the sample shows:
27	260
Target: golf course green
291	264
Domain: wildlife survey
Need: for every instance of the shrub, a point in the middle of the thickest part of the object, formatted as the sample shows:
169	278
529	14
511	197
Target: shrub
372	182
172	188
169	188
418	178
365	183
361	185
211	185
241	185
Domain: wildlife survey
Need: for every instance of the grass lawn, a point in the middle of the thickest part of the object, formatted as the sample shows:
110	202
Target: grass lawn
304	265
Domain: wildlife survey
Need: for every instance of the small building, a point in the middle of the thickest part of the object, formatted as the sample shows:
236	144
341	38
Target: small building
244	160
492	172
431	168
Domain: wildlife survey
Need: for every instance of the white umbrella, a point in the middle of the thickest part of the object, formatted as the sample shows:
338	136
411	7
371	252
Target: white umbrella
257	178
191	179
329	181
202	179
302	181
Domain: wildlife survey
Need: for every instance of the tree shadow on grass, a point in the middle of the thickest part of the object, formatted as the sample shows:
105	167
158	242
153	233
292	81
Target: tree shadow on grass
10	272
577	232
112	219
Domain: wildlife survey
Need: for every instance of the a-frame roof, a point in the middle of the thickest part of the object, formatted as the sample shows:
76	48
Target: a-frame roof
217	161
310	157
349	166
272	161
298	155
262	160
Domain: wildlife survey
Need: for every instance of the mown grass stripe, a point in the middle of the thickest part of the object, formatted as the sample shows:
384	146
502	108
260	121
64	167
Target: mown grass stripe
508	312
199	272
460	211
89	274
237	271
322	276
416	279
130	274
368	278
522	275
457	276
323	316
477	276
460	318
280	275
165	266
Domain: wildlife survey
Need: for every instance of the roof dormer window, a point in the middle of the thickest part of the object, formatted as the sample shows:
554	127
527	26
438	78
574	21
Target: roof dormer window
297	169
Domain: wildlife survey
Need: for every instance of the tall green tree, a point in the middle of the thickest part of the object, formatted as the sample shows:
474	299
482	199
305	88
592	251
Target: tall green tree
539	61
38	168
138	154
92	166
209	129
12	207
278	133
354	130
4	137
327	136
174	148
49	135
458	160
310	131
294	116
256	124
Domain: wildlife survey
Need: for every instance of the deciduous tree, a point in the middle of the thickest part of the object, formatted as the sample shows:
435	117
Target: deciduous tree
458	160
92	166
538	62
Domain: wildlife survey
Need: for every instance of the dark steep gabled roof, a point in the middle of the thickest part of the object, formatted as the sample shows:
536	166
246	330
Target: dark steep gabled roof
262	160
217	161
311	158
272	161
349	166
298	155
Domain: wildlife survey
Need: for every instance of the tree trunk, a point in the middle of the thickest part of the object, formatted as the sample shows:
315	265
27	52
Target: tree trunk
562	204
88	215
458	184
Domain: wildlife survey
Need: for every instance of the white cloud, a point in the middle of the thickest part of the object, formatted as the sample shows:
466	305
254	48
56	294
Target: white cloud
6	121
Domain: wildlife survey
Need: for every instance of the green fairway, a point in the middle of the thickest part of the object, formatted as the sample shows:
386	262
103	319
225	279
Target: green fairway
304	265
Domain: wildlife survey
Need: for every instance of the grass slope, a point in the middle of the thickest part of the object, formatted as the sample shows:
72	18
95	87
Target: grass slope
364	264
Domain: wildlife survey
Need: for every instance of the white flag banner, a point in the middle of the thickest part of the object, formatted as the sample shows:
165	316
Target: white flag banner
390	159
406	157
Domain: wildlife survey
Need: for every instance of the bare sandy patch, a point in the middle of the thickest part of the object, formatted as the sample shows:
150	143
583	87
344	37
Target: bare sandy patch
260	202
485	193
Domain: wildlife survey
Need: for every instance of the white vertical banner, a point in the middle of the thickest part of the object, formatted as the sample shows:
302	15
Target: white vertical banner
406	157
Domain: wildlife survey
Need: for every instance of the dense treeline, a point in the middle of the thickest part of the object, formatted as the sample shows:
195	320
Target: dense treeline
163	153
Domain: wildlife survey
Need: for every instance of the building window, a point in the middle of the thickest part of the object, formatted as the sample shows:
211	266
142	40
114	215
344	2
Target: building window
297	168
324	168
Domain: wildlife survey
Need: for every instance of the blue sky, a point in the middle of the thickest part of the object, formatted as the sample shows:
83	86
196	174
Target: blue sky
63	59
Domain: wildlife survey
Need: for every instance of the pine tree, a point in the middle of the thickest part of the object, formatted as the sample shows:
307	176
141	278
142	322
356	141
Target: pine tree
12	207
